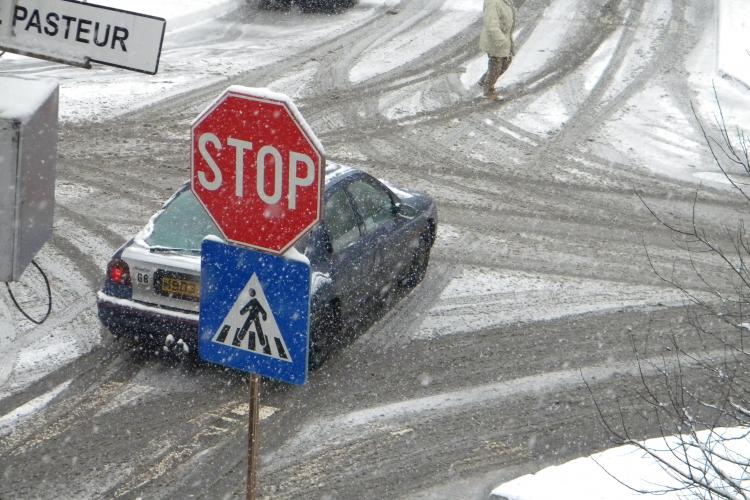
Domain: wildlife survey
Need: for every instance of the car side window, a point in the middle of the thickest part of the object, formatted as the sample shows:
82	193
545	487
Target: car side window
340	221
373	204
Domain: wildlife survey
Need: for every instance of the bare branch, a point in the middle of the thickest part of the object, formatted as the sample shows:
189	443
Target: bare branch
692	393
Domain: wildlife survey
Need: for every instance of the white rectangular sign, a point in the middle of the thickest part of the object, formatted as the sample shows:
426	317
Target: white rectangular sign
81	33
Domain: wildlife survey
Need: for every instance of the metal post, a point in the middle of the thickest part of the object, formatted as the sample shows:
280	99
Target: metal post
252	435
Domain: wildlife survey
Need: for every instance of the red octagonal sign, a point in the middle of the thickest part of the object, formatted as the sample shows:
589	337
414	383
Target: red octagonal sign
257	168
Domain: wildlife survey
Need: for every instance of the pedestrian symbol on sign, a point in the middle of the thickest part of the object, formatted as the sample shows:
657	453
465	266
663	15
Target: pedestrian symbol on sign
251	326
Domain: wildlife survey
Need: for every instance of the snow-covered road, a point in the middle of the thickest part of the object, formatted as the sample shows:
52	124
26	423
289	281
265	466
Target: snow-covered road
539	266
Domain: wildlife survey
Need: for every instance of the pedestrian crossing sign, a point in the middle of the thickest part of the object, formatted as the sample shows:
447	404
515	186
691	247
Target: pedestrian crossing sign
254	311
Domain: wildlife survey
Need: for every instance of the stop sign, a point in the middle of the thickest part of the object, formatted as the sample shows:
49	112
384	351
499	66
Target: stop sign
257	168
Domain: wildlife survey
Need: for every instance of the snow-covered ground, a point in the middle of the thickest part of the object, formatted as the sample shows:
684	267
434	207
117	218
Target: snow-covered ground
69	333
195	56
188	62
726	76
8	421
734	43
628	472
674	145
480	298
407	43
396	418
196	53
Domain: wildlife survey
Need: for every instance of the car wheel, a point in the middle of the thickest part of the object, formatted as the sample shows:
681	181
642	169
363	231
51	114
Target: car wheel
324	330
418	266
329	6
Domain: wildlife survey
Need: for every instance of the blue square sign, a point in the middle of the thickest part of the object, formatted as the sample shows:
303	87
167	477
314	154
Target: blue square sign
254	312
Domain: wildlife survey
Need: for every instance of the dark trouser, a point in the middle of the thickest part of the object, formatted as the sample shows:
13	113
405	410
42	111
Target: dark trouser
496	66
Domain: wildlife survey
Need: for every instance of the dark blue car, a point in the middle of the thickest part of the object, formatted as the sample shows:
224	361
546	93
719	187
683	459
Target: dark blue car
373	237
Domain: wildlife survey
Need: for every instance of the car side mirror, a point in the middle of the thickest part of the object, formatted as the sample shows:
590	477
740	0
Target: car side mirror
396	208
406	211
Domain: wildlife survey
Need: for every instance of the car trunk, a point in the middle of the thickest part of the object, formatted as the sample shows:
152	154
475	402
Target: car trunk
165	279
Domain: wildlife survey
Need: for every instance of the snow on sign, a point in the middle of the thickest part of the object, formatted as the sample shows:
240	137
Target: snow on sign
81	33
257	168
254	312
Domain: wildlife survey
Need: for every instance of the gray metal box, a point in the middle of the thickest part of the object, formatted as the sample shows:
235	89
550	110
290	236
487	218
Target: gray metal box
28	156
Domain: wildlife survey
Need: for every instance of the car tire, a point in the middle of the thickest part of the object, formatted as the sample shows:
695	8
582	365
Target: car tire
419	262
328	6
324	331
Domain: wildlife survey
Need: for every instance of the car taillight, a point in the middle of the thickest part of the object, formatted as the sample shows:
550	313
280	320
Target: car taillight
118	272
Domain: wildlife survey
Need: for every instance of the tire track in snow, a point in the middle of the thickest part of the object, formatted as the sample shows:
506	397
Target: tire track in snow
84	396
87	223
366	446
594	112
71	271
434	425
434	63
183	108
574	55
408	313
68	308
408	18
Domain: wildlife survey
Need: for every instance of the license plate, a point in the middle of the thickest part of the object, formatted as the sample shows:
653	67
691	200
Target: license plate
177	285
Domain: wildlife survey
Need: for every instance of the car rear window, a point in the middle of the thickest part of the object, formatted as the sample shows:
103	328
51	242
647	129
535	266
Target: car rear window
183	224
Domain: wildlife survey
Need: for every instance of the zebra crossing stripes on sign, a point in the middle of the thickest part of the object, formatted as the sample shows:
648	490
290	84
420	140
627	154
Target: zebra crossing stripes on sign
254	311
250	325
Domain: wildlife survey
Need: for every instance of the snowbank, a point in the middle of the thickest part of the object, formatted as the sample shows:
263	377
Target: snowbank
734	42
611	474
720	68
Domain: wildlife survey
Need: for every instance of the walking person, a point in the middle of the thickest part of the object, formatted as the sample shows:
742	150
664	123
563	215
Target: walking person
497	41
253	309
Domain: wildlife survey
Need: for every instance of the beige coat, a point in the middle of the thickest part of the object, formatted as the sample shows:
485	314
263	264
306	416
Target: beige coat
499	23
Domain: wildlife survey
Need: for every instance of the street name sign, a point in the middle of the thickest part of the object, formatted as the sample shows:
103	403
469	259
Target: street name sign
257	168
254	311
80	33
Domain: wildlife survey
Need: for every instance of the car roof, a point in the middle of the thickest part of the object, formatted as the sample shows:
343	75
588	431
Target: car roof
335	173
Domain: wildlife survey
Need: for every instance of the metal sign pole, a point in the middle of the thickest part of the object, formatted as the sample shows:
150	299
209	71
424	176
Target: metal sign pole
252	435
